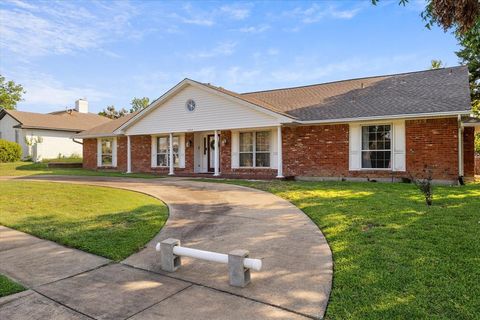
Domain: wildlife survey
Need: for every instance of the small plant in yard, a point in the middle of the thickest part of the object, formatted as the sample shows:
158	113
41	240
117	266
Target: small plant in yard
425	186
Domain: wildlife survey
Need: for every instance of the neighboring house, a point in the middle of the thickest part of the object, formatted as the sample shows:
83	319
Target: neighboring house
384	127
46	136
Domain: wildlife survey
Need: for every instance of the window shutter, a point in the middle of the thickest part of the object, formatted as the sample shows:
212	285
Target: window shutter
399	161
235	149
154	151
355	147
114	152
99	152
181	151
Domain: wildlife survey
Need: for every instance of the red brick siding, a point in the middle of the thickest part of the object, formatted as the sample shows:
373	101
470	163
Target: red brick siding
315	150
432	144
90	153
469	152
141	151
122	154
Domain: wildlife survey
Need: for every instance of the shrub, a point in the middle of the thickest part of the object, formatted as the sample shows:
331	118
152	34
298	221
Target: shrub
477	143
9	151
425	186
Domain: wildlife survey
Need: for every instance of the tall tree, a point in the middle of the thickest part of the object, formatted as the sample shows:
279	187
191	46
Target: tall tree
112	113
470	55
10	94
436	64
459	14
139	104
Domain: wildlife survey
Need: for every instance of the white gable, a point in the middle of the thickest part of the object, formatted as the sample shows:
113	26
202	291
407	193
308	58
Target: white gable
212	112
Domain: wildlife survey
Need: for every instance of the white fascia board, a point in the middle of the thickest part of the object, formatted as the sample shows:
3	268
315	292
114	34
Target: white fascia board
181	85
389	117
100	135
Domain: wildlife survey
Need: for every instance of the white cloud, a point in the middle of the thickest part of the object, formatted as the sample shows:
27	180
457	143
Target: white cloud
317	12
236	12
62	27
255	29
44	93
222	49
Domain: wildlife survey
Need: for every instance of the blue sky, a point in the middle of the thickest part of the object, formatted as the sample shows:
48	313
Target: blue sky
112	51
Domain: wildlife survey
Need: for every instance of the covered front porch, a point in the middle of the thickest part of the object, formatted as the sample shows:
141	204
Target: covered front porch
255	152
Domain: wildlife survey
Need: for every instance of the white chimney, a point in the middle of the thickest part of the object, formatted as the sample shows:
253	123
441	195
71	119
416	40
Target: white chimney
81	105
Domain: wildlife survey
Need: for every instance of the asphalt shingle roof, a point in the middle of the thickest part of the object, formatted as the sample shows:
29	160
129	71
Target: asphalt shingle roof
431	91
63	120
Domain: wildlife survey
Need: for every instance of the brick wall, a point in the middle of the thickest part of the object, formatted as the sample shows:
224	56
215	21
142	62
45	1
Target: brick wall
90	153
122	154
432	144
469	152
315	150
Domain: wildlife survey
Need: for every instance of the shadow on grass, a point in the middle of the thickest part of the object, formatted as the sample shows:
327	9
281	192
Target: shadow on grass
113	235
394	256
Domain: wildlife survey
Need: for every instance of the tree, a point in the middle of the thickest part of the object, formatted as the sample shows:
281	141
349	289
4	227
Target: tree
112	113
139	104
10	94
470	55
460	14
436	64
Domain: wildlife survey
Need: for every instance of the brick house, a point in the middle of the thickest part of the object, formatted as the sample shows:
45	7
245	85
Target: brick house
384	128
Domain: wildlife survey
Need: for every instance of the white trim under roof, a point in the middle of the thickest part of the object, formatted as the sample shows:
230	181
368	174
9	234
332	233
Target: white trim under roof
388	117
183	84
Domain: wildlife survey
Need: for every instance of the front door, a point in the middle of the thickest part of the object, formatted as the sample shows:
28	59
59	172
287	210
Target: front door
211	152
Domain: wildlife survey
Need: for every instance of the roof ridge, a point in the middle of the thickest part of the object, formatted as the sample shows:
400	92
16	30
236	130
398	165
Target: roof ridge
353	79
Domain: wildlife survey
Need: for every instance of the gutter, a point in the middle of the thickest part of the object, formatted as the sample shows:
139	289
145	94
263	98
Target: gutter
460	151
73	139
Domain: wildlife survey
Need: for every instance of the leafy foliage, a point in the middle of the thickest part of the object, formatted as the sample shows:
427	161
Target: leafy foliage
9	151
425	186
10	94
460	14
477	143
470	55
112	113
136	104
436	64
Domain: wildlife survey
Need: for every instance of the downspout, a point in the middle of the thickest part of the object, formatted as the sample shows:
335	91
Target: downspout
73	139
460	151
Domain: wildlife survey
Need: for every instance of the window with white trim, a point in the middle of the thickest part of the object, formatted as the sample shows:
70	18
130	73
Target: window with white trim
163	151
377	147
107	152
254	149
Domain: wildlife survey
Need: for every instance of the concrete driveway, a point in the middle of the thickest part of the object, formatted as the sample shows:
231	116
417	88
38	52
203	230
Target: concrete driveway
294	283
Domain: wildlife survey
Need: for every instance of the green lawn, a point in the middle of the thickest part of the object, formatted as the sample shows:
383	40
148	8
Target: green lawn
108	222
394	257
29	168
8	287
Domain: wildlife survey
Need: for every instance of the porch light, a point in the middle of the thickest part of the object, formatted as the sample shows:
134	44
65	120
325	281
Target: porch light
188	143
224	141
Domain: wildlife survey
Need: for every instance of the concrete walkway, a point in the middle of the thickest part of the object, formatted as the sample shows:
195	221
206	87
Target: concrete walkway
295	282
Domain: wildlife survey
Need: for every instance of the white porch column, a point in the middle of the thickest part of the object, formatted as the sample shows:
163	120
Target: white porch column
129	155
279	153
217	154
170	155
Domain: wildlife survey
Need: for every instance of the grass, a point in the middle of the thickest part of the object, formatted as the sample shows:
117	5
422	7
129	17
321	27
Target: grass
64	160
8	287
395	258
108	222
29	169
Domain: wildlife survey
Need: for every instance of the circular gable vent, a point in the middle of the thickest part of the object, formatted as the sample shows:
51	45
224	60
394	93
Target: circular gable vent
190	105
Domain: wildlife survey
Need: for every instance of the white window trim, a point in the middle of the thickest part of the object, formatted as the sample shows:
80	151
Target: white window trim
180	154
392	147
114	152
254	151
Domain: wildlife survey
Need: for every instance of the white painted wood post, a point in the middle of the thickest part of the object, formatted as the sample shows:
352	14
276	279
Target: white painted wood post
217	154
279	153
129	155
170	155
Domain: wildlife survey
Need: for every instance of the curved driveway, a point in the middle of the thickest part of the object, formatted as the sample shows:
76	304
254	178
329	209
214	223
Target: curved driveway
297	262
